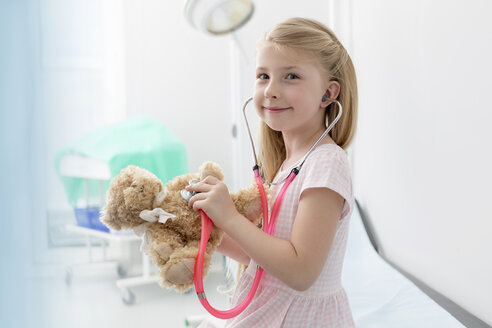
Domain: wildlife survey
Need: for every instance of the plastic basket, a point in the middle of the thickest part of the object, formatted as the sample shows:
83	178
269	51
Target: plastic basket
89	217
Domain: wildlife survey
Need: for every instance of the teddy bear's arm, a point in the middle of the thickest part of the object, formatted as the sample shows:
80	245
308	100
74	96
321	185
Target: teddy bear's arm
248	202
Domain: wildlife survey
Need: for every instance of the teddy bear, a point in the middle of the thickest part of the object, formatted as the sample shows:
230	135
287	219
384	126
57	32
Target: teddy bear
170	229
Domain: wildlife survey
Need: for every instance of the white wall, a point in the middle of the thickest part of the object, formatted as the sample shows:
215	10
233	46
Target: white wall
423	154
179	76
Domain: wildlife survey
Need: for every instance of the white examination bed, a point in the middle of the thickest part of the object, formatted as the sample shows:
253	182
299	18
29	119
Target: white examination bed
379	295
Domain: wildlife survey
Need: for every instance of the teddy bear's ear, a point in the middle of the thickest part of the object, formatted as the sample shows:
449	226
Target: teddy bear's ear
210	168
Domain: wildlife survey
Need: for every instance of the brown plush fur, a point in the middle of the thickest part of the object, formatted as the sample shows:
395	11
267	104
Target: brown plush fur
173	246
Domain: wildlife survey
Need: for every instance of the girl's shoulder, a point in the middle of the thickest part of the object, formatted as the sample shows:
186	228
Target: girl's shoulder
326	151
328	167
326	154
327	160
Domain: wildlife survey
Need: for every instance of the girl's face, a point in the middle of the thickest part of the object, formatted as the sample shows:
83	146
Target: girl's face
288	89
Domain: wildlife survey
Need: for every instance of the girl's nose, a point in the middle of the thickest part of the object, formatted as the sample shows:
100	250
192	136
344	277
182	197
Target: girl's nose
271	91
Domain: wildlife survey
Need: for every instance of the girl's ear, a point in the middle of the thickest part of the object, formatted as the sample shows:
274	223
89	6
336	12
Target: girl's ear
332	92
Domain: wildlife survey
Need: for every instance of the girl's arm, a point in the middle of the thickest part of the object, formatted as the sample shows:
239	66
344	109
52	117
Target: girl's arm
229	248
298	261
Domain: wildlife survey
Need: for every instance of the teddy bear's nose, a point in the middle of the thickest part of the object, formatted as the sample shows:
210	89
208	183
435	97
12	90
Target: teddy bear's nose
188	194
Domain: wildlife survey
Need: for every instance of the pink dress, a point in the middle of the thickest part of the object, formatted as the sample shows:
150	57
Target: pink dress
325	303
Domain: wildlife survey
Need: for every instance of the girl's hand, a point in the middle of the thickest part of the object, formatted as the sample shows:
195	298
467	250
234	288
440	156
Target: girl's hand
214	199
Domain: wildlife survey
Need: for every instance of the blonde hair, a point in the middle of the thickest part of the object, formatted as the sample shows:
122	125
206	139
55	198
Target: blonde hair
314	37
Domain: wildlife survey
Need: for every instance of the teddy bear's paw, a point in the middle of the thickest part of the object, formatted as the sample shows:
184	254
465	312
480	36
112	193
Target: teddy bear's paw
181	272
164	250
253	209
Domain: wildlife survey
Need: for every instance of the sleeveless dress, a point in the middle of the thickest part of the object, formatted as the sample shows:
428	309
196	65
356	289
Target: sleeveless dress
325	303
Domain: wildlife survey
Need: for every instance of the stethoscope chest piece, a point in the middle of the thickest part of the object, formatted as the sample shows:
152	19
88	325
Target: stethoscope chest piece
185	194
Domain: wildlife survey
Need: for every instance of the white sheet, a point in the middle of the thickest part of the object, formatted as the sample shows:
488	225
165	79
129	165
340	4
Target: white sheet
379	295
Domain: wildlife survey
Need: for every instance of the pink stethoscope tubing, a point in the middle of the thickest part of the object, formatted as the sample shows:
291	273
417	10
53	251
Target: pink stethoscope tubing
268	227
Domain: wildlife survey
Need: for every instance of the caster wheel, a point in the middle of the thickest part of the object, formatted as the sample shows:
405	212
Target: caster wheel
68	276
127	296
120	270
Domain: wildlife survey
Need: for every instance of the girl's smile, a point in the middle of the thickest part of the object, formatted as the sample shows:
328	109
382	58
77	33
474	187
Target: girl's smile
276	109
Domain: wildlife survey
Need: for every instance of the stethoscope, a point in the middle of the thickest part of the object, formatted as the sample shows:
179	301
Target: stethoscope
268	224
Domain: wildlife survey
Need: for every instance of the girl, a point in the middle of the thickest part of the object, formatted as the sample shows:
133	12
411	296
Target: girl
301	68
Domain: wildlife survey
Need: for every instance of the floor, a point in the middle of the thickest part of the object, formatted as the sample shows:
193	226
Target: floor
93	300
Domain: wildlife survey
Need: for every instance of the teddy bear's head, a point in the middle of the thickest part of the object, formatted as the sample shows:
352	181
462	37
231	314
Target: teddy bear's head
131	192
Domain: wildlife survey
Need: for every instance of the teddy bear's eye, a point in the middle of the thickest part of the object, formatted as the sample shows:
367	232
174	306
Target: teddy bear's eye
134	185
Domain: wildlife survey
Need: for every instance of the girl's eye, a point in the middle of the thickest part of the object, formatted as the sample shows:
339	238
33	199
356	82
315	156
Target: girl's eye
292	76
262	76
